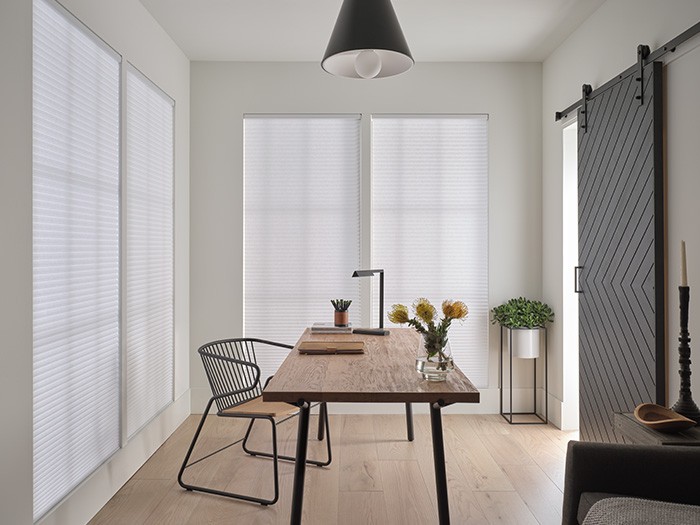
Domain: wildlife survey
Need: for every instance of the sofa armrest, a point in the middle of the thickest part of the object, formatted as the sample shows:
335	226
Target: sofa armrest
665	473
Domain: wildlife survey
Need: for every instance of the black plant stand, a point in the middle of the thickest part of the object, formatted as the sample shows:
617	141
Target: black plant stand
508	416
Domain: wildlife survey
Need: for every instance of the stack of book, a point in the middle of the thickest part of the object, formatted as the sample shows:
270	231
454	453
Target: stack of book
330	328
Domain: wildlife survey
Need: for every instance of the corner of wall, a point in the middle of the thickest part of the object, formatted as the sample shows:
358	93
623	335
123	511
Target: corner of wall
16	376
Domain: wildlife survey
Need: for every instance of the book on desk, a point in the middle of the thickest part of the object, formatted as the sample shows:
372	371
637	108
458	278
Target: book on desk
330	328
331	347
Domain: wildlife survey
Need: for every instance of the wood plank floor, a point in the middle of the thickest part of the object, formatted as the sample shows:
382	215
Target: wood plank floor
497	473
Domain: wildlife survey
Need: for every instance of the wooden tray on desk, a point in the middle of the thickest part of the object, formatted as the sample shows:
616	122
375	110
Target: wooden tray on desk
332	347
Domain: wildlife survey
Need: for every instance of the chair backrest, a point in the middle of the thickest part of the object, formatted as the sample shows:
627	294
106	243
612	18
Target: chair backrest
225	365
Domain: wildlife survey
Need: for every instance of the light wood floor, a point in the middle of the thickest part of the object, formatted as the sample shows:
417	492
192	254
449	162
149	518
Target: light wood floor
497	473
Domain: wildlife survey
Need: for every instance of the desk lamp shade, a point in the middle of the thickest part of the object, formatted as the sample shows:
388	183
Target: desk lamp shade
365	273
367	42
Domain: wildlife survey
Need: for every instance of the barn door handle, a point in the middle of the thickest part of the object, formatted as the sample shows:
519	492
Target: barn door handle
577	279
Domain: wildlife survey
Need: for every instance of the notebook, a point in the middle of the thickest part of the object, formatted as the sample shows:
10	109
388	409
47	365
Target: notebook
332	347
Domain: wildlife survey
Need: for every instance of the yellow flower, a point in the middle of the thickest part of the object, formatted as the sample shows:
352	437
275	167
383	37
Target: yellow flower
424	309
454	309
398	314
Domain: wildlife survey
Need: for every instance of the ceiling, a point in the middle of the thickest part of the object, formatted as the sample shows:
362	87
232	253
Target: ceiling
436	30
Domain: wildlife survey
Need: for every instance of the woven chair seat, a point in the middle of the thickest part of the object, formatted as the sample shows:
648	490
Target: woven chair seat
259	407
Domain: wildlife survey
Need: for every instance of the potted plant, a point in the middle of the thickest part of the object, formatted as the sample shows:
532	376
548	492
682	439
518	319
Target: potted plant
524	318
438	357
341	311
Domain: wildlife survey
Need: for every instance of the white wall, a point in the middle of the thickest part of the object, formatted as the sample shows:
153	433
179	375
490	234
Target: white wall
222	92
600	48
128	28
16	260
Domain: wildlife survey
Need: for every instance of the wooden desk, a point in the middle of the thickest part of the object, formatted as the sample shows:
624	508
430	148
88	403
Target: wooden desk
638	434
385	373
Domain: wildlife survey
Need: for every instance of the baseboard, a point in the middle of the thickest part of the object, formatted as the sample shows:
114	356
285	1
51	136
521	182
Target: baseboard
91	495
199	397
555	410
568	414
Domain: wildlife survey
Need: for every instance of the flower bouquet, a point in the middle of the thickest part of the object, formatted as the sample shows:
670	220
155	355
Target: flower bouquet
438	358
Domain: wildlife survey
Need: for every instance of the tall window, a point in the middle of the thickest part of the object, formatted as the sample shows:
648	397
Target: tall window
149	250
302	224
76	253
79	300
430	221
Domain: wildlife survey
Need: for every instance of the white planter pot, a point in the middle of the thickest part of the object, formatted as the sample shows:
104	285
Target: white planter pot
526	342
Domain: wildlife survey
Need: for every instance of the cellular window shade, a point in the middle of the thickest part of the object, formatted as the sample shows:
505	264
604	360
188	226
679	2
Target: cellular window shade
75	254
430	221
302	225
149	250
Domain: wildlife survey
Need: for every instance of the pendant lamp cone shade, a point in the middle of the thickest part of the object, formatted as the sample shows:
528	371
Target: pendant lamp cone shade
367	42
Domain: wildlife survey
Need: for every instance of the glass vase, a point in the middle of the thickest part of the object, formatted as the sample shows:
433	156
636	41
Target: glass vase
434	361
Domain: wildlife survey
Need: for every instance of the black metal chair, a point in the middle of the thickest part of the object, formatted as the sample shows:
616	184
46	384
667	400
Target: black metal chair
234	378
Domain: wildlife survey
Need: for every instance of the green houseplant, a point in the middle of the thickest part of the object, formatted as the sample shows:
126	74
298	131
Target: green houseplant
522	313
524	318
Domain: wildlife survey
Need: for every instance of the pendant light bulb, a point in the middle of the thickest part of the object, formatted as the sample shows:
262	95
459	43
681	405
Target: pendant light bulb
368	64
367	42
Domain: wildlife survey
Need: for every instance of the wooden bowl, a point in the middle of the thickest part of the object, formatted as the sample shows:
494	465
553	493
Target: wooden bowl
661	418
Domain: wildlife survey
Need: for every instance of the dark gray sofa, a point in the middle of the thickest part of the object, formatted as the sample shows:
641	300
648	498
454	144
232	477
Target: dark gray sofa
596	471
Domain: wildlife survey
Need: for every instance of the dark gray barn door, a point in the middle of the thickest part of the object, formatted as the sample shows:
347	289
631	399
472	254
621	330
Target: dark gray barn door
621	252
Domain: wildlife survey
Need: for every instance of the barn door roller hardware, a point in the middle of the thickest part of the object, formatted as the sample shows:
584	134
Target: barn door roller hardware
635	69
586	90
642	54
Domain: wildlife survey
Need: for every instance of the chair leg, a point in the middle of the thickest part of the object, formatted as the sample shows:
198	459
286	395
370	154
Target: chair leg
275	463
245	439
194	440
326	425
409	421
233	495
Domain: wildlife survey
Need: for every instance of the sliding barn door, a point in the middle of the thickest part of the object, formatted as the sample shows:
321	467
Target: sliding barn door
621	253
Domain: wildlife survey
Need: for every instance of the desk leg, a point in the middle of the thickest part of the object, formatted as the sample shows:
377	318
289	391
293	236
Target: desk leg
409	421
322	415
300	463
439	459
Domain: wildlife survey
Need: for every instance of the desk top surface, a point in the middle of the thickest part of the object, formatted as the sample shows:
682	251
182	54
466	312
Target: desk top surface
385	373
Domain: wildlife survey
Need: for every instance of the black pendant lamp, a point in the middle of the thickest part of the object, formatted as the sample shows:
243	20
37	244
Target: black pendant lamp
367	42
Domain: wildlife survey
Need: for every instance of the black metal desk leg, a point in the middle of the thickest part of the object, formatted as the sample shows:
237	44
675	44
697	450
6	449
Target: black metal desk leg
300	463
439	459
322	414
409	421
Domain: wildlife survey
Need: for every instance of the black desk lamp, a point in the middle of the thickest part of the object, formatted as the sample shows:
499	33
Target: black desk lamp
380	330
